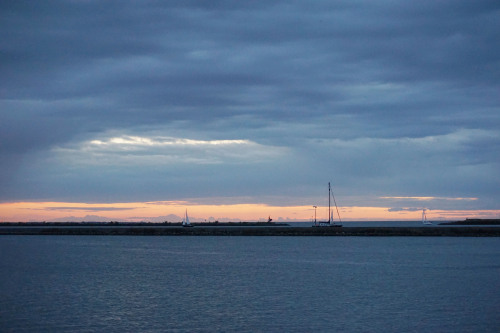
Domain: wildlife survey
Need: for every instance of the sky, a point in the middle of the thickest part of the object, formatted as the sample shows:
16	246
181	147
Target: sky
139	110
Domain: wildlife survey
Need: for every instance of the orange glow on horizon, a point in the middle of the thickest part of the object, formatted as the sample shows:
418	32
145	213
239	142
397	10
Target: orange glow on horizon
154	211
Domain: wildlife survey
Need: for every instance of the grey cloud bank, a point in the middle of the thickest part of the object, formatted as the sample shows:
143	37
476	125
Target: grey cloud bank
383	98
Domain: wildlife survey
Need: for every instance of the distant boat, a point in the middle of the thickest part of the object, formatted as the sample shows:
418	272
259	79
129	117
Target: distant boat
330	222
424	218
185	221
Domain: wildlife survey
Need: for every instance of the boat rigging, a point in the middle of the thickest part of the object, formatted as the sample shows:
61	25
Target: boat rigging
330	222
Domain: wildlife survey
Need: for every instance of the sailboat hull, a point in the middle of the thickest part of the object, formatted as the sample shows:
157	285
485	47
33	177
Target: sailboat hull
326	224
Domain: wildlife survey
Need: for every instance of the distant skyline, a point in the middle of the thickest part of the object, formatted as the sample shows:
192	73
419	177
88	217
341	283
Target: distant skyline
137	110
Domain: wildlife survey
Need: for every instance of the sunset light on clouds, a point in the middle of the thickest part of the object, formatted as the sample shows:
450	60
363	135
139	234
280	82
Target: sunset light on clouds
249	166
241	111
173	211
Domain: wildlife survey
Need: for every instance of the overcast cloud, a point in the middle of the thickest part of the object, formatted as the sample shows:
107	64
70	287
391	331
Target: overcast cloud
116	101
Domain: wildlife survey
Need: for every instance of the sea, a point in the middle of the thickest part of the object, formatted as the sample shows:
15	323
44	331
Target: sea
249	284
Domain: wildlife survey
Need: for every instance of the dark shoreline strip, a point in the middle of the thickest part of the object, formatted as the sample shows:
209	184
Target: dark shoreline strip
257	231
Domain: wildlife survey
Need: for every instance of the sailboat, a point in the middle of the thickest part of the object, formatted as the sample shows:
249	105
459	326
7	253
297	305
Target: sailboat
330	222
185	221
424	218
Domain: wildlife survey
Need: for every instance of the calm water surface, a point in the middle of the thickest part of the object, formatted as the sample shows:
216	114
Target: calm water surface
249	284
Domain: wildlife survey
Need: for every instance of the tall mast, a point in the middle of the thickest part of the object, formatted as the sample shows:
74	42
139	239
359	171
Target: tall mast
329	191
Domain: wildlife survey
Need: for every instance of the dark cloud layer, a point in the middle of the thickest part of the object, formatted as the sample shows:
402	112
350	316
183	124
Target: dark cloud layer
387	96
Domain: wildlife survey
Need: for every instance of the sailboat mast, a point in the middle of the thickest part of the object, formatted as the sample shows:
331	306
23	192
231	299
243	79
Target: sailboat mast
329	192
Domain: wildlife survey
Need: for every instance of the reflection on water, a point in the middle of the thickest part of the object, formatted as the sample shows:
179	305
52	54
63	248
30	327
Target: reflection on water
294	284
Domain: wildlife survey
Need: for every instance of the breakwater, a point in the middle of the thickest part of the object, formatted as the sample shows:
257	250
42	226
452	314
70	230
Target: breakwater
252	231
474	222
